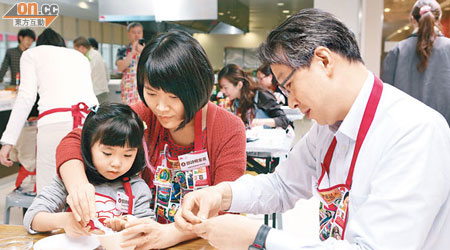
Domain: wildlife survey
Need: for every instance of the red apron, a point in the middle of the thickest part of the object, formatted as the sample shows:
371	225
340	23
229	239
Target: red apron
76	113
334	203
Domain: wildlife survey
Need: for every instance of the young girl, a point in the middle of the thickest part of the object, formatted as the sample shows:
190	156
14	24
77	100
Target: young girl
255	106
111	146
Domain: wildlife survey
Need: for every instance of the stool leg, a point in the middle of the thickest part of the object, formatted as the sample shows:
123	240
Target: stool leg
266	219
6	219
279	221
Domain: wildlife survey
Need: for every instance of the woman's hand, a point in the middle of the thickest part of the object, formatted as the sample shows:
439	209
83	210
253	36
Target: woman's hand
228	231
146	233
4	155
72	227
81	200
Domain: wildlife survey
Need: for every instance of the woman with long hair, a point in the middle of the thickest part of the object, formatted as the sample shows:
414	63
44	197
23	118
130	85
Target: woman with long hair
255	106
420	64
267	80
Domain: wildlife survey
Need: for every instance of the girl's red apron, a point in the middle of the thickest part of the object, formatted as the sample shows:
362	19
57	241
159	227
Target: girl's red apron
334	200
128	85
176	176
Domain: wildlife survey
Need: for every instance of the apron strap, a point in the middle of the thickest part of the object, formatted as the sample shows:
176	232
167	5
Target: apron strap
129	193
198	131
369	114
76	113
329	156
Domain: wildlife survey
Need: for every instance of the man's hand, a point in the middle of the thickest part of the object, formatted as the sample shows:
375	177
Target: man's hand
228	231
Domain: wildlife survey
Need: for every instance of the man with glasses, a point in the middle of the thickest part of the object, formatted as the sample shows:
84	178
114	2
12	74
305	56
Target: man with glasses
376	159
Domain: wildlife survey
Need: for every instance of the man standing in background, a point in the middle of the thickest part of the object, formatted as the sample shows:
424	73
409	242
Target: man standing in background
26	38
98	74
127	59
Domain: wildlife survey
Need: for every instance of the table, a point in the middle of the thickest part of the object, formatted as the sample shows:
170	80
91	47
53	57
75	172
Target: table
292	114
14	230
270	145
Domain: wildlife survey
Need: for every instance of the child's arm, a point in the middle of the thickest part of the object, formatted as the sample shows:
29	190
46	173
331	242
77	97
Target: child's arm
51	200
44	222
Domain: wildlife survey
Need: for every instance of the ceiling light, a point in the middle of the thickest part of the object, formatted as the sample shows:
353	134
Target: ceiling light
387	10
83	5
399	31
220	13
406	27
280	4
286	11
228	12
233	17
287	16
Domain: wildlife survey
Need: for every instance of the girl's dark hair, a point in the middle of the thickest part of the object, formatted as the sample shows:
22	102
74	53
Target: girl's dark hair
293	42
50	37
113	125
265	69
431	14
236	74
176	63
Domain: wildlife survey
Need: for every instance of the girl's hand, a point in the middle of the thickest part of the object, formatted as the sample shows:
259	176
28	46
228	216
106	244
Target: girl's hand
72	227
146	233
82	202
117	223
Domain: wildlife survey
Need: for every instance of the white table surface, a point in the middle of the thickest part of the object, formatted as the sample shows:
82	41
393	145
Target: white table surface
292	114
6	100
269	143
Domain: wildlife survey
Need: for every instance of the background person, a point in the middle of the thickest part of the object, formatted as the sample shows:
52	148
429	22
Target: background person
98	74
62	78
255	106
392	162
26	38
175	81
126	61
267	80
420	64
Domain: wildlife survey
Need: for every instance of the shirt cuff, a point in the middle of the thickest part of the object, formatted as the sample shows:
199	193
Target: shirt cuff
240	195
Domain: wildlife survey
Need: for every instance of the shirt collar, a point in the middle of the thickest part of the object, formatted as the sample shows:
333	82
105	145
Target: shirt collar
350	125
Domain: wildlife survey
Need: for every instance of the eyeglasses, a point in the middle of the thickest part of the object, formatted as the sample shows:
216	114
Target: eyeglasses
282	87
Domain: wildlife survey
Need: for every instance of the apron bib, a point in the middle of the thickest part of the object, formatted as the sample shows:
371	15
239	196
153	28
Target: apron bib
333	210
176	176
128	84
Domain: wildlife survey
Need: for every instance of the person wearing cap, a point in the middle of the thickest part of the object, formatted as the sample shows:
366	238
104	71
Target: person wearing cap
386	151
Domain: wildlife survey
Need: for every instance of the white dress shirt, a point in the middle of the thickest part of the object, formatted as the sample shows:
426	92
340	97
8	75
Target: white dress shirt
61	76
98	73
401	184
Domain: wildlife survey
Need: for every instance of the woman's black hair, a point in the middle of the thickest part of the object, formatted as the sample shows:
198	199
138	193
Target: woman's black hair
176	63
50	37
265	69
113	125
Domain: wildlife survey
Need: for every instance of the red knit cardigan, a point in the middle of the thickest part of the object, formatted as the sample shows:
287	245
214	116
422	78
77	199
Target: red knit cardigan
225	142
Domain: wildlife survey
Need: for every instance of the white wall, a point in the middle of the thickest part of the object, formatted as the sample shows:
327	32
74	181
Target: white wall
215	45
365	19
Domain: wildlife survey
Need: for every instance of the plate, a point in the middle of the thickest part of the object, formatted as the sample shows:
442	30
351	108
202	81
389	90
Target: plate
63	242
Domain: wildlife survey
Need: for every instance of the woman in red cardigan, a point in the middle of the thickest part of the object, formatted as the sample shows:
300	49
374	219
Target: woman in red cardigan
190	142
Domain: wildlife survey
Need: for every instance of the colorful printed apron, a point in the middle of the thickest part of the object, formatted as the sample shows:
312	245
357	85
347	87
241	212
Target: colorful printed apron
176	176
128	85
334	200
